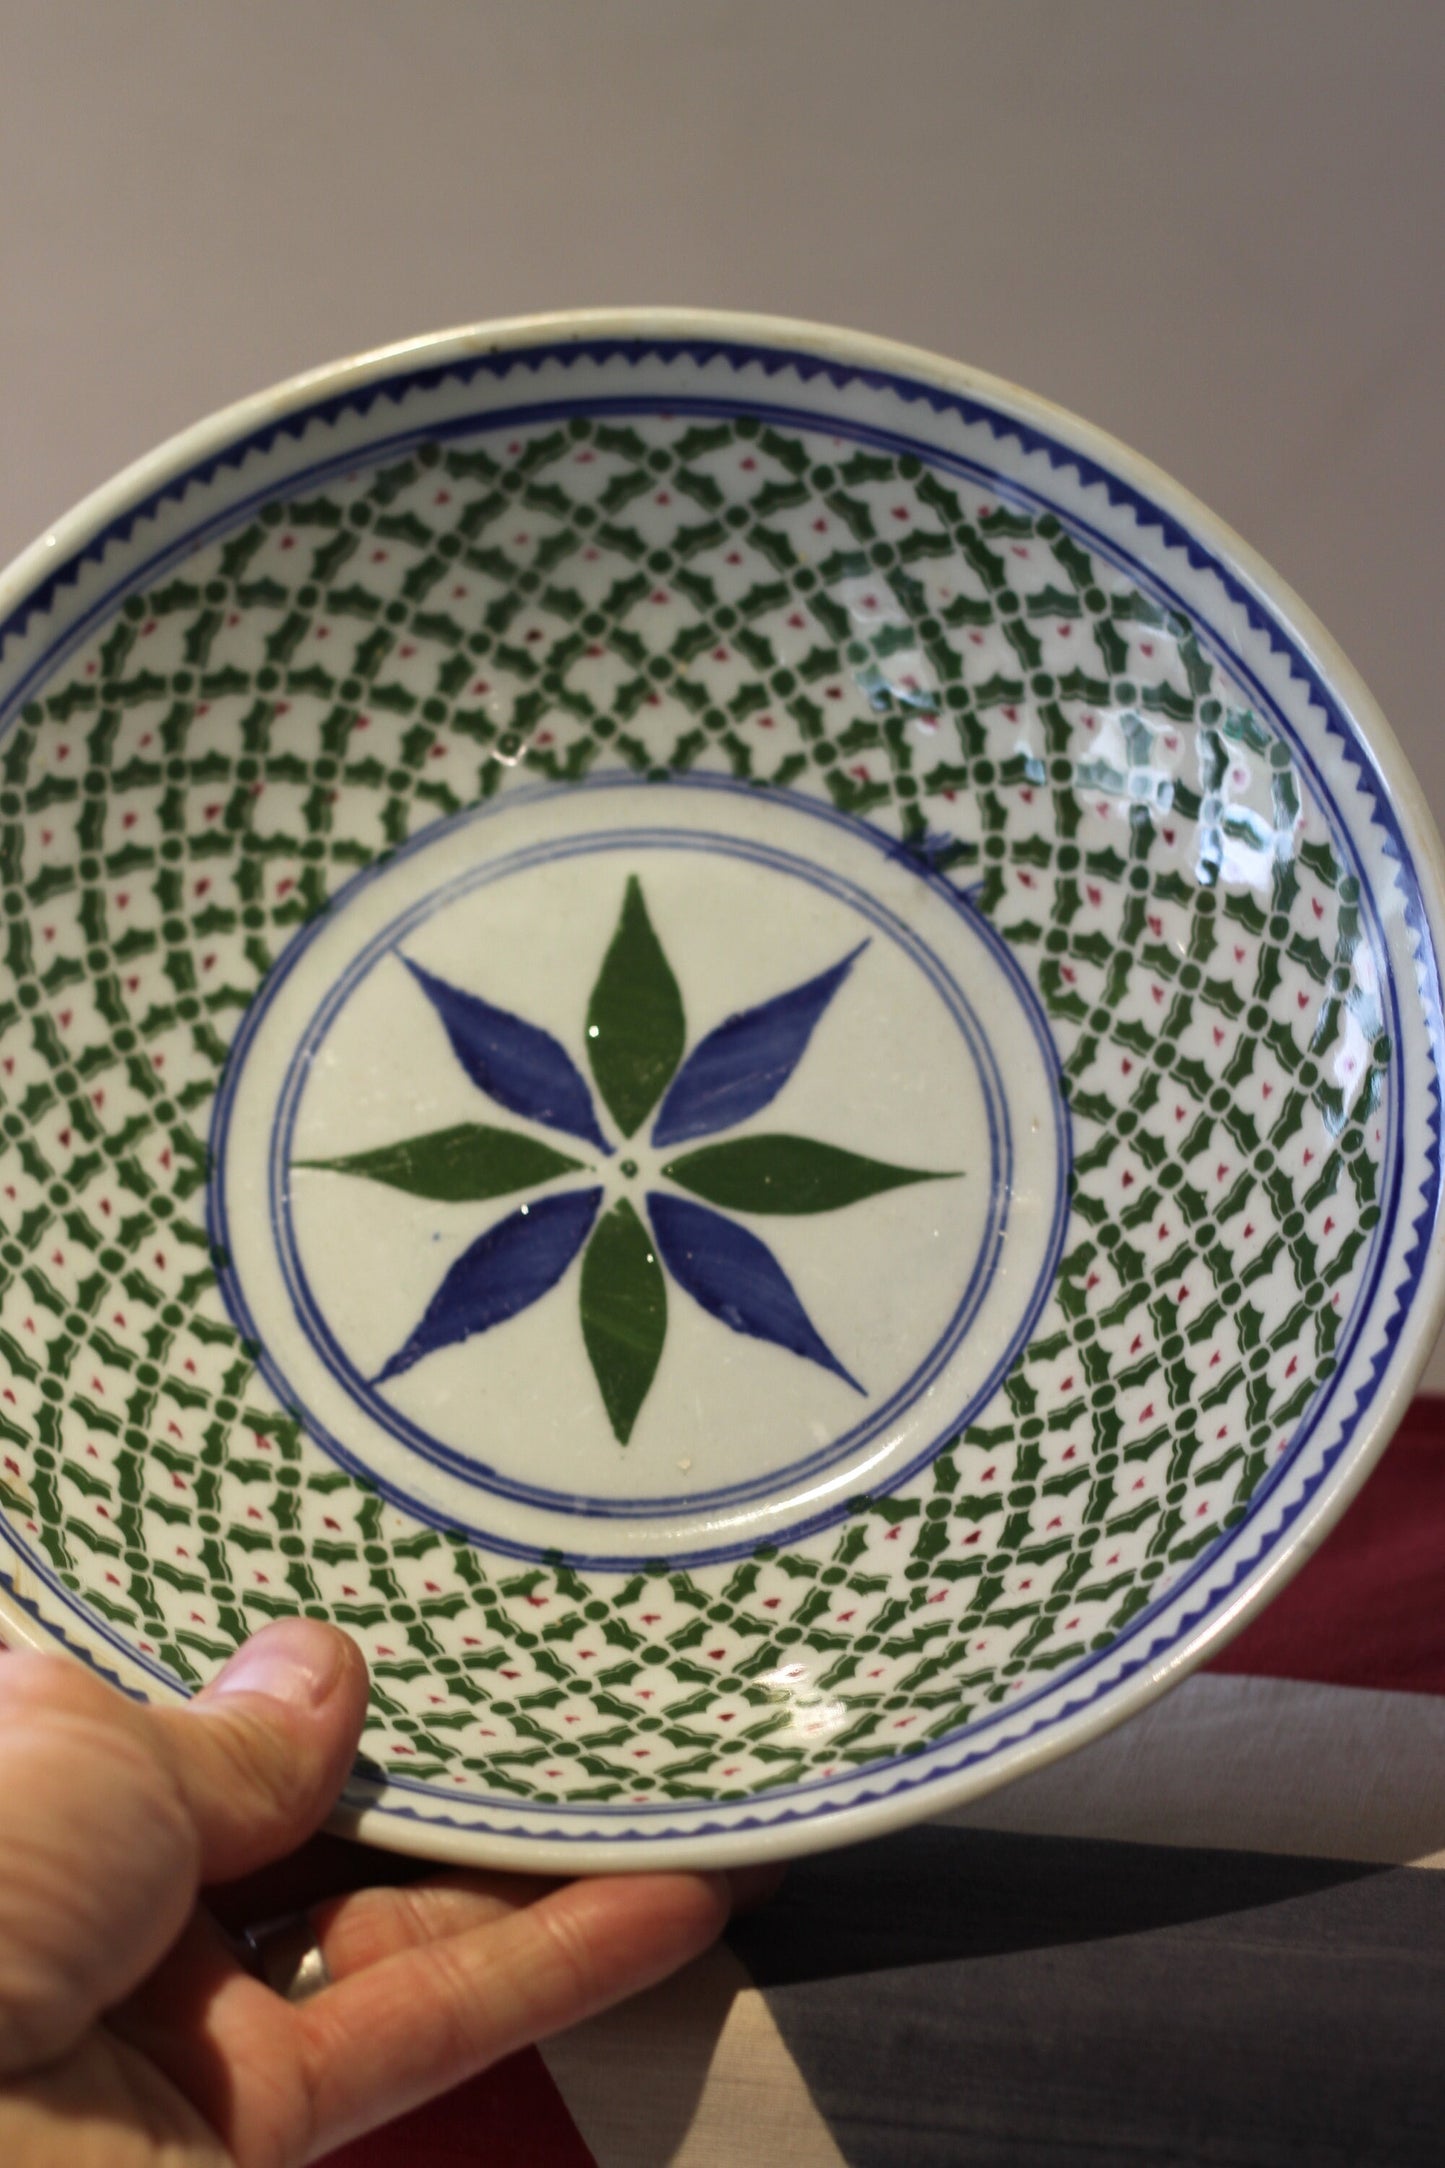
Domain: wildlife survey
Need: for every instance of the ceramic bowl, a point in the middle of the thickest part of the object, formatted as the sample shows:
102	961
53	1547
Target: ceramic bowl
728	1035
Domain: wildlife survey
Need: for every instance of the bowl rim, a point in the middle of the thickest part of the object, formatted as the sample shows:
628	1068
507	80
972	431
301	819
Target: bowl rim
868	354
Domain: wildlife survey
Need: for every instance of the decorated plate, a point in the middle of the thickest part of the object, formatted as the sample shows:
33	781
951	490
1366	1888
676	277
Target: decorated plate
725	1034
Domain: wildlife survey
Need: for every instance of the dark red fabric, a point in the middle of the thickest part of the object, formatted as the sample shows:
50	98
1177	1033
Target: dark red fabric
1369	1608
511	2117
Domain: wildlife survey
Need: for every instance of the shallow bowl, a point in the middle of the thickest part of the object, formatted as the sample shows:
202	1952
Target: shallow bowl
727	1034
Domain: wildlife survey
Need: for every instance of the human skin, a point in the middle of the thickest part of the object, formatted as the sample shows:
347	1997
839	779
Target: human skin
131	2035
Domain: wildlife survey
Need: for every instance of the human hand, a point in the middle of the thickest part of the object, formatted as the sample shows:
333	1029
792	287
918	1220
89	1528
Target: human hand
130	2035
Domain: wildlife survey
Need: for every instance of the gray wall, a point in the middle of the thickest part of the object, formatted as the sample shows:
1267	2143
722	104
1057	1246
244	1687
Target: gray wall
1213	228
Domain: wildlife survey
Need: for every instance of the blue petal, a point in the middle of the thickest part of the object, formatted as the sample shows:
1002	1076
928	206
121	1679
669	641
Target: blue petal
746	1062
519	1065
504	1272
736	1278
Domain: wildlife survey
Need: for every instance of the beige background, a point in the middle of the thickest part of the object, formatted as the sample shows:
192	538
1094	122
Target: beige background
1213	228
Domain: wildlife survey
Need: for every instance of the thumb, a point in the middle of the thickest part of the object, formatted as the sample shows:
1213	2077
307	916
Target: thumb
112	1815
261	1753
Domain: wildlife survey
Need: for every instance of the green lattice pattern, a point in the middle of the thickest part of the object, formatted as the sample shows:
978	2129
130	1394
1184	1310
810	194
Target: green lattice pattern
789	611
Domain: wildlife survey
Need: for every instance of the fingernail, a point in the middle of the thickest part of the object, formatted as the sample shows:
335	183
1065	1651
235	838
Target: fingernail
295	1660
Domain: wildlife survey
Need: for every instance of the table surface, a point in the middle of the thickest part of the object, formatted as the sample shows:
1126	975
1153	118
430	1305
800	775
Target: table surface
1212	230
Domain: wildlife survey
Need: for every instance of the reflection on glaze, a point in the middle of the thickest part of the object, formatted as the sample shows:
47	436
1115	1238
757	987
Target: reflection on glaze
813	1716
1208	781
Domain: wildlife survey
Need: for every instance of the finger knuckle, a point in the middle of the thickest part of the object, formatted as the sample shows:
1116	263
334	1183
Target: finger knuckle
573	1954
36	1999
256	1772
453	2002
71	1891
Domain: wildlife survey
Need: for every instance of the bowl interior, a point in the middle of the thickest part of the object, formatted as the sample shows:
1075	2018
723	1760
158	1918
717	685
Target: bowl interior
713	1044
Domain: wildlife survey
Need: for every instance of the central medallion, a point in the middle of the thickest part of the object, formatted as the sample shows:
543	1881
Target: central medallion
636	1039
640	1154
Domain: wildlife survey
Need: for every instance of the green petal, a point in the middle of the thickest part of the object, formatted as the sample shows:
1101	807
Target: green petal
787	1174
624	1314
635	1027
456	1166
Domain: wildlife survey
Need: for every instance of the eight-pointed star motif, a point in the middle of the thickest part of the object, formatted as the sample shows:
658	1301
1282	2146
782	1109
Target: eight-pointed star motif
636	1039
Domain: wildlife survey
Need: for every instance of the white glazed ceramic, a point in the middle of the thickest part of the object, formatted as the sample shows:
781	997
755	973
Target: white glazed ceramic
729	1035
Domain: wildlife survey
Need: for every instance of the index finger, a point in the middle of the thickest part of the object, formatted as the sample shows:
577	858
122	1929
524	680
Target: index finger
416	2024
284	2083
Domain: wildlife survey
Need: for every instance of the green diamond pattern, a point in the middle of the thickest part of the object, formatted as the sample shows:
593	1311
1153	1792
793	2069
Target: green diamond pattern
794	612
